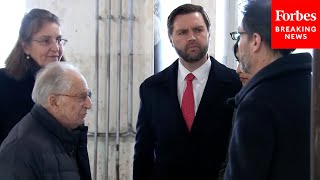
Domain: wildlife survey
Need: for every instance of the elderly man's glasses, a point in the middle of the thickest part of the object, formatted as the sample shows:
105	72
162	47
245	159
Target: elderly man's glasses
82	96
48	41
236	35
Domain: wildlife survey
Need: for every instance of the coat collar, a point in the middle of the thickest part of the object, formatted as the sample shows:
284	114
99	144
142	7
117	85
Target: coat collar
217	81
217	71
69	138
281	66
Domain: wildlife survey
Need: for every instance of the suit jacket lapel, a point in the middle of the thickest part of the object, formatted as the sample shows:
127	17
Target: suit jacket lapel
173	88
213	89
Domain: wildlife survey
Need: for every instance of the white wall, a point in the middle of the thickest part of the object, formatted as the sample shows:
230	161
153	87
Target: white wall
11	13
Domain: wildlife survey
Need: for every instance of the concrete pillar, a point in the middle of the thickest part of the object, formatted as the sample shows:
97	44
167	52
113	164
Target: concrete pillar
226	22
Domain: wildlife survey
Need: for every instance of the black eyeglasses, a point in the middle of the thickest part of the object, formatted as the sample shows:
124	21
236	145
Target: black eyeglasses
236	35
46	41
82	96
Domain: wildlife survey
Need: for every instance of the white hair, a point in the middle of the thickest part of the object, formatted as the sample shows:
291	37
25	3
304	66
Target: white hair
52	79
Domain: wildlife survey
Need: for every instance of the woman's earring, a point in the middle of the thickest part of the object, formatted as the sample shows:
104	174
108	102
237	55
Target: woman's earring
28	57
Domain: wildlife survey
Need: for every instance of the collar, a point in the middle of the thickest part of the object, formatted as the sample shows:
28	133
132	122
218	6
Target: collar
280	67
70	139
200	74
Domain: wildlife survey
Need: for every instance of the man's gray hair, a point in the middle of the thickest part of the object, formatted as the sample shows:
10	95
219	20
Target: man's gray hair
52	79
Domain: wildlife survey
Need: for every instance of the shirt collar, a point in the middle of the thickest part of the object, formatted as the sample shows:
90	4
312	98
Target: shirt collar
200	74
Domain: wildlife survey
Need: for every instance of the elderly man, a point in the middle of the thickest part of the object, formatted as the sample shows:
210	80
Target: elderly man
270	138
50	142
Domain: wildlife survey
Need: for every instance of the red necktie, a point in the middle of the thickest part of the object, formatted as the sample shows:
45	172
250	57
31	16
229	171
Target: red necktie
187	105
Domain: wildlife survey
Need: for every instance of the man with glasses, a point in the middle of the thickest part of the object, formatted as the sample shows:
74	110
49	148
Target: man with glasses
270	138
50	142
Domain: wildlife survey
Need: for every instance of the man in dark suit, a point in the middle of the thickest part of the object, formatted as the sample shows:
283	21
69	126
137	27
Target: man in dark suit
184	124
271	134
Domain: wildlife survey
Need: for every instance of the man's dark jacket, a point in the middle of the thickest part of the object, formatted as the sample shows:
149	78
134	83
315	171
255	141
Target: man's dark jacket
165	149
271	135
39	148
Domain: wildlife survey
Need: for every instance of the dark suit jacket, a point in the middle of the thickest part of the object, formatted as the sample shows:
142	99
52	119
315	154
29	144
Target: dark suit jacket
164	148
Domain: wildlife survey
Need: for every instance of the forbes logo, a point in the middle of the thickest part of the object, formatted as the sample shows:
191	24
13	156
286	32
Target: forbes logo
296	16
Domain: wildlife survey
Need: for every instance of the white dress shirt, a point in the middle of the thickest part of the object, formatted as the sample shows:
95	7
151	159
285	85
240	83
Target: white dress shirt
199	83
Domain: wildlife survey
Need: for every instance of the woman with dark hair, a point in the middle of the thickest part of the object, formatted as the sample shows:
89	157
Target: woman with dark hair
39	43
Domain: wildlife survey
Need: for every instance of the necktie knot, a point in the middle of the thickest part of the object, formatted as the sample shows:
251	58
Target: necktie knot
190	77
